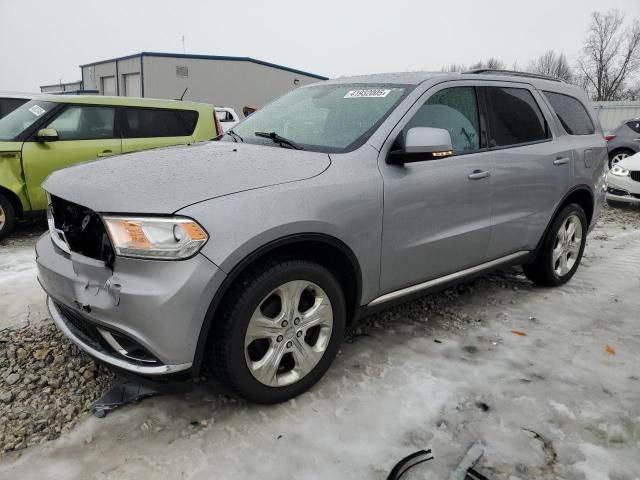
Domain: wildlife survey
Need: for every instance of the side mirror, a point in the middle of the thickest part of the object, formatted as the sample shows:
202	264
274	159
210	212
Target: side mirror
421	144
47	135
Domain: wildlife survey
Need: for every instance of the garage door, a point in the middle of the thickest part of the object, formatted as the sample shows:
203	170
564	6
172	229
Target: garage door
132	85
108	85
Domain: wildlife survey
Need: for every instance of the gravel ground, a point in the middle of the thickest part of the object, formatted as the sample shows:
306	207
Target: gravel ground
47	385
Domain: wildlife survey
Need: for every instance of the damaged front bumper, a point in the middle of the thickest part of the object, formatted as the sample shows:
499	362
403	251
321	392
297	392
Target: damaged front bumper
141	316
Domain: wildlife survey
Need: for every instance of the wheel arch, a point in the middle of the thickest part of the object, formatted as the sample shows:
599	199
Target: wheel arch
327	250
15	201
580	194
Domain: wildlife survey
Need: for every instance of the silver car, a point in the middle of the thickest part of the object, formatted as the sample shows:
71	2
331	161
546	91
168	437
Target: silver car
624	141
247	257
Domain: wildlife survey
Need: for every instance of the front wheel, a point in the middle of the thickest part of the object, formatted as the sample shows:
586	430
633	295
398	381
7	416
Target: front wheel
7	217
561	250
279	331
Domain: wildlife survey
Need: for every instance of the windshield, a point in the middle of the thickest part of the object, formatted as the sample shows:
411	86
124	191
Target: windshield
325	118
22	118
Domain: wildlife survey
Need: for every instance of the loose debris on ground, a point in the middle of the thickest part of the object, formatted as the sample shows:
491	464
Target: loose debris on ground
628	217
45	384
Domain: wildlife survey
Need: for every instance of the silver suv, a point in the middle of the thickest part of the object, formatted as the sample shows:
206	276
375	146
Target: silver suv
248	256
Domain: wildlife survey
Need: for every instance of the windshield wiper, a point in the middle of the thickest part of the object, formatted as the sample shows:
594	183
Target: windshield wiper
278	139
234	135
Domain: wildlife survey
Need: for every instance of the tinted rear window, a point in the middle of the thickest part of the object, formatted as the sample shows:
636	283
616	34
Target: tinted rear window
634	125
154	122
8	105
572	114
514	117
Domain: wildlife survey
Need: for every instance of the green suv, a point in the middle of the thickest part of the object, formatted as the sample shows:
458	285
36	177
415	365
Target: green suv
53	132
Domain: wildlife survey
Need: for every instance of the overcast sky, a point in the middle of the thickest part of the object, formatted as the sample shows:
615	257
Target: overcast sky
42	42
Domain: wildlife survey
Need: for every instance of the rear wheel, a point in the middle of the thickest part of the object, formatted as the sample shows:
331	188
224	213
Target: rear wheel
279	331
561	250
618	155
7	217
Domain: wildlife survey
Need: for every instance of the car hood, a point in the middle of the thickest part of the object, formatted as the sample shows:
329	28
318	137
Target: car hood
631	163
168	179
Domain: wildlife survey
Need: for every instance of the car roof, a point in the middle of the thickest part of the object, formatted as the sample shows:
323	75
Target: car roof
26	96
124	101
416	78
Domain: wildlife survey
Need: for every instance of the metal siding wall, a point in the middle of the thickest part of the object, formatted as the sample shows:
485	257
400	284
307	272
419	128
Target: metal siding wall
223	83
89	83
126	67
612	114
104	70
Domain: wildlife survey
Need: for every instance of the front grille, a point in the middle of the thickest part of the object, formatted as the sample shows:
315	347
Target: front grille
83	329
635	176
82	229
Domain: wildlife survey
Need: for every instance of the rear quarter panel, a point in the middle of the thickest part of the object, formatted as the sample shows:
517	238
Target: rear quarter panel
11	177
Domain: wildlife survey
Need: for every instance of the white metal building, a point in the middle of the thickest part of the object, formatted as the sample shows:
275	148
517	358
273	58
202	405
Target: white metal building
62	87
224	81
612	114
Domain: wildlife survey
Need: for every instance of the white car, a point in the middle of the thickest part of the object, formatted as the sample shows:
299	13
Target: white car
228	118
623	181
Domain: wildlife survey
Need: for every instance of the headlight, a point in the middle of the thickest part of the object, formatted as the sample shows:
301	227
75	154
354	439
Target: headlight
619	171
158	238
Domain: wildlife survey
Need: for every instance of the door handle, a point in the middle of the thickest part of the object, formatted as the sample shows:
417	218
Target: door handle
561	161
105	153
478	174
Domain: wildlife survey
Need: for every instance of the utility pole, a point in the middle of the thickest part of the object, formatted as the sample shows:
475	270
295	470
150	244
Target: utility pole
184	49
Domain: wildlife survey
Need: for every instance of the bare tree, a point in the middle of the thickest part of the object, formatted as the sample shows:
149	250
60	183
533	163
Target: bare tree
455	67
552	64
611	55
491	64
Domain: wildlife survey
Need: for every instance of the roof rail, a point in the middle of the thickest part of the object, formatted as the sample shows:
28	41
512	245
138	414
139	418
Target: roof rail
515	73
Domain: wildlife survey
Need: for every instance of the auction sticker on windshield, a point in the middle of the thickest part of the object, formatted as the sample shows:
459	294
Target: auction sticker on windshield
37	110
368	93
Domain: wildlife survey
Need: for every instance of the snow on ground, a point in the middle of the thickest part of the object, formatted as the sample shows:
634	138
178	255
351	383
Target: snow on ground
560	401
21	298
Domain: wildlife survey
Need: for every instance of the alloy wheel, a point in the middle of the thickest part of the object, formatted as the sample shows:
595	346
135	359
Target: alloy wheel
618	158
288	333
567	245
3	217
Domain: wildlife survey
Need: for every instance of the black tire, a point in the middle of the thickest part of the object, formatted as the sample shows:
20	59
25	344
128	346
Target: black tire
617	152
6	208
542	271
227	345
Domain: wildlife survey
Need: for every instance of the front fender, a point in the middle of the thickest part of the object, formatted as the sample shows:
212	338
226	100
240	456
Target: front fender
242	223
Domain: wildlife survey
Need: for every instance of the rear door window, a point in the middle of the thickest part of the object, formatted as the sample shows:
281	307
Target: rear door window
155	122
453	109
84	122
572	114
514	117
